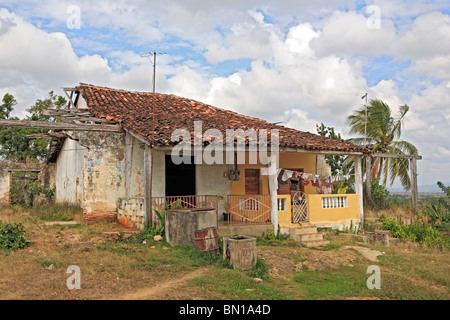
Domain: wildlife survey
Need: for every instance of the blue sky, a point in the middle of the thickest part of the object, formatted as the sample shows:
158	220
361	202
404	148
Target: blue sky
300	62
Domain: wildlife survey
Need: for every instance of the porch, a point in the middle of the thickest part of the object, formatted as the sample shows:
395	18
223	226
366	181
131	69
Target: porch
252	214
338	211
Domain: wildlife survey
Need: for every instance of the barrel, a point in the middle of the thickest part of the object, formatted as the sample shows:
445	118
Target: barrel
192	226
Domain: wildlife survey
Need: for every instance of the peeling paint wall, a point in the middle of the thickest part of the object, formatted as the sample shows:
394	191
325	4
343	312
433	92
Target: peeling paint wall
69	173
104	173
159	174
5	187
137	184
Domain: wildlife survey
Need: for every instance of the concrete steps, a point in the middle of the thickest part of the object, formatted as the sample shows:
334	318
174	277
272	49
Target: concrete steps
307	235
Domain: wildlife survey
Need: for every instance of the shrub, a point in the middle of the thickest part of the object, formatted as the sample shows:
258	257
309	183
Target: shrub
437	213
379	195
12	236
418	231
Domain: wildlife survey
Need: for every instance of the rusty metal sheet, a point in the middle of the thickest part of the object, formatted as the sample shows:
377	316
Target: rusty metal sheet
206	240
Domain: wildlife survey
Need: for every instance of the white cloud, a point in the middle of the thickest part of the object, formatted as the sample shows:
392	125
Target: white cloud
306	59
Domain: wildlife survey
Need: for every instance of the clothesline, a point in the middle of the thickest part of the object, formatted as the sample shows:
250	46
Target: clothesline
288	174
316	181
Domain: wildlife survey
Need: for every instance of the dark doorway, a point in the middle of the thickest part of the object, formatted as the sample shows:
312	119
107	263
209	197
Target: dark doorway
180	178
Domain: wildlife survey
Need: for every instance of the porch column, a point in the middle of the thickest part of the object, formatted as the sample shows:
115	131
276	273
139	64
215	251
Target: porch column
273	190
414	189
148	184
128	163
359	186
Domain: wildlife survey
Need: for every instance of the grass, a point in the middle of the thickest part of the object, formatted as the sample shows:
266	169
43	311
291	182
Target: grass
113	268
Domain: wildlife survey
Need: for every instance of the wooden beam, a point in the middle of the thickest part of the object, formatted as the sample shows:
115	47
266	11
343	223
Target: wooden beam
414	190
398	156
359	187
47	135
273	190
369	178
70	97
65	112
59	126
128	162
148	184
322	152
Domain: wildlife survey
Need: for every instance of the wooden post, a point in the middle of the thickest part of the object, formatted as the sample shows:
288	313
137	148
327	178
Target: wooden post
369	178
148	184
414	191
359	186
128	163
273	190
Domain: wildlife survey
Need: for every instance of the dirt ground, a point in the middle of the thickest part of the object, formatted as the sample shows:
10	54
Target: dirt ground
284	266
117	270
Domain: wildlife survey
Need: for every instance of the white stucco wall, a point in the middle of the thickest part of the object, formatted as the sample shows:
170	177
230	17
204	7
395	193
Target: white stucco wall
210	180
69	173
5	186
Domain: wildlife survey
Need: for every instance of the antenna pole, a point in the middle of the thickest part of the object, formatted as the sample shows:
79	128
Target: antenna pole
149	198
149	55
154	71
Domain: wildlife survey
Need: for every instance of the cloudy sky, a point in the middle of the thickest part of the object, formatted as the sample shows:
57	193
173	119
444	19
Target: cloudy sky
296	61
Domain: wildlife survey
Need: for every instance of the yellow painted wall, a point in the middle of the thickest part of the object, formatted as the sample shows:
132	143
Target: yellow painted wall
333	216
287	161
285	216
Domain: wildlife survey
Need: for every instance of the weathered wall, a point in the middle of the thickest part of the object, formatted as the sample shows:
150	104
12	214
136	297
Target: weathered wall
104	173
5	187
69	173
131	212
137	184
211	181
7	167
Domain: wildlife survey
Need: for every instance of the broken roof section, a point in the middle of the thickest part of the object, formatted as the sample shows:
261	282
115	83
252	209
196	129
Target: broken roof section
134	111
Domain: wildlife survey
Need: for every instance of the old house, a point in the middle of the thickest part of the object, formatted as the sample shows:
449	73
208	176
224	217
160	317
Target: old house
140	150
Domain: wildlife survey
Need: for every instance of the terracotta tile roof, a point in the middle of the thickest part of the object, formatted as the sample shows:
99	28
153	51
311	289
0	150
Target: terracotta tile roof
134	111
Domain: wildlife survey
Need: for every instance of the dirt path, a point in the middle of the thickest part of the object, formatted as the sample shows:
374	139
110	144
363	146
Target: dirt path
164	288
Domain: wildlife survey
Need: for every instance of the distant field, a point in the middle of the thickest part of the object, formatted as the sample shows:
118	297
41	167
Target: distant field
422	195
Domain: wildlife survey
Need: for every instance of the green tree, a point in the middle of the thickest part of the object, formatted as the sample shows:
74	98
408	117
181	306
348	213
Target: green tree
337	162
7	106
383	136
14	145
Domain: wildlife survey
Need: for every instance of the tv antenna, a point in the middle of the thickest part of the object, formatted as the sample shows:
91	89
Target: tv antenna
149	55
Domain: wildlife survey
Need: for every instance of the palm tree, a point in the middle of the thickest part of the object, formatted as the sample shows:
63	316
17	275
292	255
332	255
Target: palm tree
381	133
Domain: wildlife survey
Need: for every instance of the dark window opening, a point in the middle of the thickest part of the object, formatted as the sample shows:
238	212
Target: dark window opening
180	178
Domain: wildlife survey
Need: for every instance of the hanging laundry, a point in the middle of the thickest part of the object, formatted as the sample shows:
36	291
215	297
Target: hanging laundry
287	175
306	175
298	174
281	178
305	182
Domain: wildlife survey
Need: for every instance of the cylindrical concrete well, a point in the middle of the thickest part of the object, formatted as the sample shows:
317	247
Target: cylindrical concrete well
240	251
192	226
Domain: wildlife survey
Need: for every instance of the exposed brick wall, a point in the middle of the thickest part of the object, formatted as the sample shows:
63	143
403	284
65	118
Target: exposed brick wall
131	212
